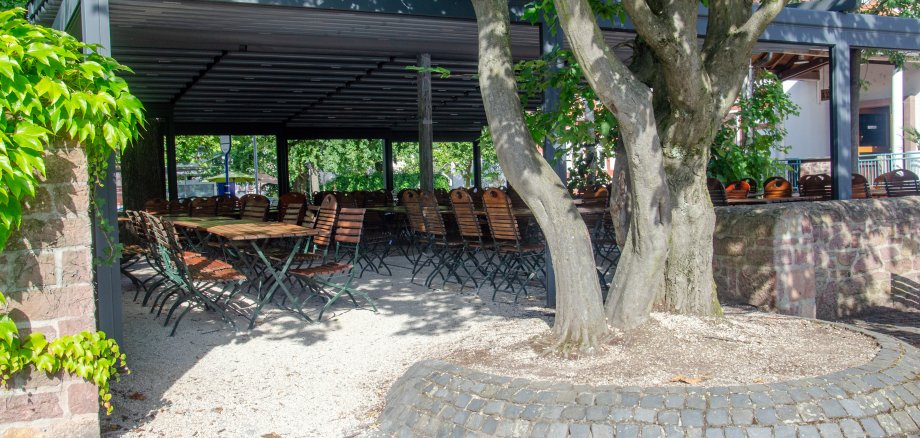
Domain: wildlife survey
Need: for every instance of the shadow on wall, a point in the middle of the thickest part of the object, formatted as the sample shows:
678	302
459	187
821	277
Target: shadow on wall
828	260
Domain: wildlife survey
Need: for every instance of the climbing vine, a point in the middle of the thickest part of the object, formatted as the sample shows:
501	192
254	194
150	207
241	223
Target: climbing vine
744	146
56	88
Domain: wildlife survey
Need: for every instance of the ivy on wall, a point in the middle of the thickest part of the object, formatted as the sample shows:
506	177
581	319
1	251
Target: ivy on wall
54	88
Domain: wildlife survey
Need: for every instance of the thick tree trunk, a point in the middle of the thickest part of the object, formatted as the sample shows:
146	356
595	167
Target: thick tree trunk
140	179
579	324
689	283
639	277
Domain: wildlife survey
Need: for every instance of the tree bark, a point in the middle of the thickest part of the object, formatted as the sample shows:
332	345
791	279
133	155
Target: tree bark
619	195
138	182
669	108
579	325
639	277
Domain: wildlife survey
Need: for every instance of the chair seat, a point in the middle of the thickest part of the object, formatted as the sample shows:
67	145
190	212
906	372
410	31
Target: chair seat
197	262
228	274
324	269
527	247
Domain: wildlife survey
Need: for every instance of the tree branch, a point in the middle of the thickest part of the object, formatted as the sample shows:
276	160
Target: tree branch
673	39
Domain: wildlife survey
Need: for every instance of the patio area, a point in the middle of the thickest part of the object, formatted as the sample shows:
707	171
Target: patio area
290	377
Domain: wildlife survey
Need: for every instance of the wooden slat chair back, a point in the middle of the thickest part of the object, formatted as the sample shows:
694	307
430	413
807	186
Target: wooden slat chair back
900	182
777	187
502	223
596	196
346	200
737	190
156	206
255	208
293	214
434	222
349	226
311	213
184	206
860	187
400	196
228	205
465	213
325	220
297	199
442	196
716	192
816	185
752	183
411	200
204	207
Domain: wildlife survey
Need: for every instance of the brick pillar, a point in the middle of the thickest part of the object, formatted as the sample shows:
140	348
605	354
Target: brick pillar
46	273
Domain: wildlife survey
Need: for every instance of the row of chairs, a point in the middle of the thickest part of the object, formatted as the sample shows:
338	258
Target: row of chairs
502	258
896	183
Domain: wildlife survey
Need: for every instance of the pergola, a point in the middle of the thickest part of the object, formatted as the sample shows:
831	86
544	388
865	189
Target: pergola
309	69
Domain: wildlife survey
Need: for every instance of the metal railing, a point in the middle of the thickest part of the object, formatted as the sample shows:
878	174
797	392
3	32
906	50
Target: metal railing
869	166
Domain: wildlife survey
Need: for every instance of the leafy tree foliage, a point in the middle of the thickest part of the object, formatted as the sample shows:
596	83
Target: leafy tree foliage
758	123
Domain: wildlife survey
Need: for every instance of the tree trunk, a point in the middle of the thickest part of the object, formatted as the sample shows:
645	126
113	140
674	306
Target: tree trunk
639	277
619	195
689	284
138	182
579	326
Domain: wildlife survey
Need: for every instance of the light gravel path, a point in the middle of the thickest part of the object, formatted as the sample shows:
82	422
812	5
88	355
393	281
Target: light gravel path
288	377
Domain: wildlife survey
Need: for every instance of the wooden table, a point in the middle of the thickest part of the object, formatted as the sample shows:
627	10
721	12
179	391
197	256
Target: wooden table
756	201
258	234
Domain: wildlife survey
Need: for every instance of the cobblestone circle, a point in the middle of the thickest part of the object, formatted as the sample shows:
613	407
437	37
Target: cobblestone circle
878	399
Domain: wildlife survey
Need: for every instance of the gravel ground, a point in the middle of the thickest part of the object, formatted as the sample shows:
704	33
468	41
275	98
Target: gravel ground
745	347
289	378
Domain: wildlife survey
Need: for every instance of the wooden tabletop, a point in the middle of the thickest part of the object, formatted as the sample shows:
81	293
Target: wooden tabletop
240	229
754	201
261	230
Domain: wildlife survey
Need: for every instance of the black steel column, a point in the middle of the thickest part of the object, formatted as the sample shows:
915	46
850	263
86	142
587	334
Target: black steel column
841	123
550	39
284	172
477	164
172	175
388	182
94	15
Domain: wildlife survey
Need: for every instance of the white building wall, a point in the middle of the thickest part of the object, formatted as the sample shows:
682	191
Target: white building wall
809	132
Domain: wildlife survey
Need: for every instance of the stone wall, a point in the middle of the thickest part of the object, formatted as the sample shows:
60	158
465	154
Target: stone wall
820	259
46	274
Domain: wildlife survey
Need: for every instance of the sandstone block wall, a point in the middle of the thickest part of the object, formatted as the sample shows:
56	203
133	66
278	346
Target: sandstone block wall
823	260
46	274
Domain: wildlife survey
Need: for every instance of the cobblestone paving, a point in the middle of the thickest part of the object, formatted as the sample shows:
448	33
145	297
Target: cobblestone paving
904	325
881	398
